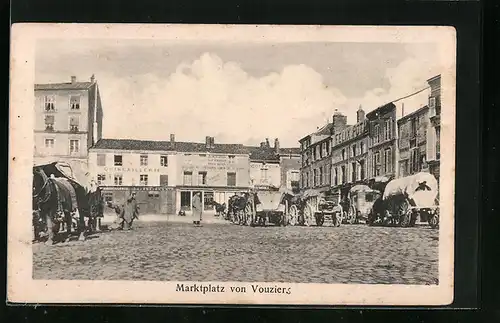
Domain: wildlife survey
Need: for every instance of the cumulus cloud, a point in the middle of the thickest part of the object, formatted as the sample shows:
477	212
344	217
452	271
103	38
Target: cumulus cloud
406	78
216	98
211	97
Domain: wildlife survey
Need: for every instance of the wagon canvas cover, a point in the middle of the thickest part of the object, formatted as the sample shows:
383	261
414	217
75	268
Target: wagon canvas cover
422	188
269	200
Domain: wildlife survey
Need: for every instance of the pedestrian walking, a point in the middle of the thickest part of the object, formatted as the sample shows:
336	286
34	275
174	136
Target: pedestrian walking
129	212
197	209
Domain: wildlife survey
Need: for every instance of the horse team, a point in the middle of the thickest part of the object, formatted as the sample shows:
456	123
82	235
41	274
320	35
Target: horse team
62	204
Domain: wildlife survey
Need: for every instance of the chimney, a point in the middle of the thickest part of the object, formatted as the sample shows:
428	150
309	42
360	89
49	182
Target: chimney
277	145
262	144
267	143
212	142
339	121
360	115
172	138
207	141
92	78
73	79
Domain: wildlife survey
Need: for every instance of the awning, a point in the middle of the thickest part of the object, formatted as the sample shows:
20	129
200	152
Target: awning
421	187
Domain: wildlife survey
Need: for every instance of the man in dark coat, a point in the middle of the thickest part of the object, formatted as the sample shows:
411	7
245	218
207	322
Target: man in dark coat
197	209
129	212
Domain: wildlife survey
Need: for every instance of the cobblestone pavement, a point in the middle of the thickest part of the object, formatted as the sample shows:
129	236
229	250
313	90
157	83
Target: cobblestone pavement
226	252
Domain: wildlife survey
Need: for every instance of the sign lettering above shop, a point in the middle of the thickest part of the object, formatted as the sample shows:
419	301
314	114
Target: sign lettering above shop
128	169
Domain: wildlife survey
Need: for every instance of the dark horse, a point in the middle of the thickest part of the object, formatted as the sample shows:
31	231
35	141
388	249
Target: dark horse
53	204
236	207
96	209
220	208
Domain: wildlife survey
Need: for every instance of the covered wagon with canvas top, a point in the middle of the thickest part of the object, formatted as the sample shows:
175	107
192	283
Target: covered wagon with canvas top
406	199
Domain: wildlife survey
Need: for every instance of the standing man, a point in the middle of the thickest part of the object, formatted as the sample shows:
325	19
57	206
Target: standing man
197	209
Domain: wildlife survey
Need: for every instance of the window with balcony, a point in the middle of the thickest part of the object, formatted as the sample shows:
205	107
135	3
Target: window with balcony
343	154
143	179
336	176
50	103
361	147
49	143
388	130
362	170
163	161
353	172
438	146
353	150
202	178
74	102
118	160
321	176
144	160
118	179
187	178
376	164
388	160
376	136
74	123
74	146
49	123
231	179
344	175
101	179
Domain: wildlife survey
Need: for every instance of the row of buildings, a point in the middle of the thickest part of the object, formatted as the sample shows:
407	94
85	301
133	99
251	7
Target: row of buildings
164	174
384	143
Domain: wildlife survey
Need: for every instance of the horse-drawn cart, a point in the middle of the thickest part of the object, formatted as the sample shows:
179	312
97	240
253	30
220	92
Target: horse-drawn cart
405	200
360	199
311	207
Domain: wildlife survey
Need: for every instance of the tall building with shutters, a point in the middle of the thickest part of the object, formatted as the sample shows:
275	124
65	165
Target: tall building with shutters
68	120
382	150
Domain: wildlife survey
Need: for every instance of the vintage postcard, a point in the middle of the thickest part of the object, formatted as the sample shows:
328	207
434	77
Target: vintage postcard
232	164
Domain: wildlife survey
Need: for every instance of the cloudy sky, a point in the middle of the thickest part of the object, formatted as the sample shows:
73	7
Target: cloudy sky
238	93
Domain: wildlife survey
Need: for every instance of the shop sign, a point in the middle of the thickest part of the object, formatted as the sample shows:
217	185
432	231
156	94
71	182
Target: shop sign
134	188
132	169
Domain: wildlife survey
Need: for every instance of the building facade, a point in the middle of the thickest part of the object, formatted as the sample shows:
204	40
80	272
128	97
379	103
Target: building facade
350	154
148	168
434	151
217	171
382	148
68	120
166	174
412	142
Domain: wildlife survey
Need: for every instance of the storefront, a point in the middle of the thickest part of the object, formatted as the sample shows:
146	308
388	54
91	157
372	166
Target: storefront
184	197
151	199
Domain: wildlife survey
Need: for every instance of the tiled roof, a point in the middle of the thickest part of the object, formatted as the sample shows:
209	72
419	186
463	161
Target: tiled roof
63	86
263	153
130	144
256	153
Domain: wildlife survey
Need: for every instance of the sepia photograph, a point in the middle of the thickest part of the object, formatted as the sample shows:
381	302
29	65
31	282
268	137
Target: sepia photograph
225	164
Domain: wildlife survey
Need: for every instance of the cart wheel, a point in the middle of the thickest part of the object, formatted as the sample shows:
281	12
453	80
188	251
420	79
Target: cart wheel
405	220
293	215
248	214
434	221
320	219
308	215
351	215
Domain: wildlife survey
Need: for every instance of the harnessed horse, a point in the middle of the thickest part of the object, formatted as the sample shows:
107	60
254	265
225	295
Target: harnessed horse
53	202
96	208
